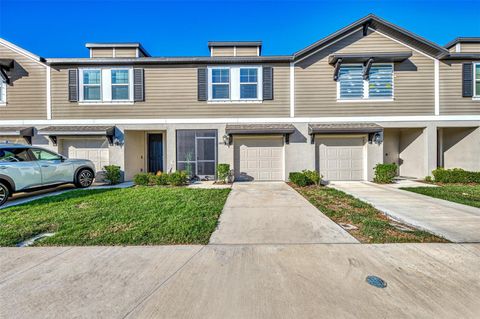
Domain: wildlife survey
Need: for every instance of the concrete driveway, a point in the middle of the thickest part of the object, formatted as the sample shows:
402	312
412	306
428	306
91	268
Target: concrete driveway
455	222
241	281
274	213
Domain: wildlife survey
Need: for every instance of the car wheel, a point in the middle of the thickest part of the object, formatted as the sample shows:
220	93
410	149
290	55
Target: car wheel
4	193
84	178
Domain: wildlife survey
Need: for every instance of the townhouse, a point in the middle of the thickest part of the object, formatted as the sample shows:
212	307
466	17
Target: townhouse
369	93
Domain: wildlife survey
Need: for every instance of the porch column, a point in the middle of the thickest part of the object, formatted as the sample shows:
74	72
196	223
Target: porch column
430	149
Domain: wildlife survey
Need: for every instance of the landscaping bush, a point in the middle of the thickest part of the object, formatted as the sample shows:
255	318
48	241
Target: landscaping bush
141	179
385	173
223	170
178	178
161	179
455	175
313	176
112	174
428	179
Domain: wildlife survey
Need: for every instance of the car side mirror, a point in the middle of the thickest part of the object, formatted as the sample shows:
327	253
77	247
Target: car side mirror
62	158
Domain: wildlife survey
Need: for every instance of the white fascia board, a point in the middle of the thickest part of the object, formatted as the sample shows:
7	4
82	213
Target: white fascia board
430	118
21	51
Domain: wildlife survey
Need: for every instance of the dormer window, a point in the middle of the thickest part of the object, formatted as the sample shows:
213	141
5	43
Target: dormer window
235	84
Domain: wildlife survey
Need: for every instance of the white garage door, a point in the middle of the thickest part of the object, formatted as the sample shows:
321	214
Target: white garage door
341	159
259	159
95	150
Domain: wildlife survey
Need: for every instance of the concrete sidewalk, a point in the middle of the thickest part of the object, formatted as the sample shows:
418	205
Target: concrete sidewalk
241	281
455	222
274	213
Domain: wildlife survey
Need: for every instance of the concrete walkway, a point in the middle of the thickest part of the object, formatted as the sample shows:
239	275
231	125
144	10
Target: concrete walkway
455	222
274	213
241	281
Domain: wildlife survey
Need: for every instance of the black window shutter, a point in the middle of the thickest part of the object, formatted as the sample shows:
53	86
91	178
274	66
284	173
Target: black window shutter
202	84
267	83
73	85
138	85
467	79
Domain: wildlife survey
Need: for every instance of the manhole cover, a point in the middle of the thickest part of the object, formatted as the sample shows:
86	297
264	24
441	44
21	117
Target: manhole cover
376	281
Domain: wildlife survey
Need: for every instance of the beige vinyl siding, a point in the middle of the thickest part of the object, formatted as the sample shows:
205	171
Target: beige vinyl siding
171	92
316	91
27	94
453	49
222	51
451	100
247	51
125	52
470	47
101	52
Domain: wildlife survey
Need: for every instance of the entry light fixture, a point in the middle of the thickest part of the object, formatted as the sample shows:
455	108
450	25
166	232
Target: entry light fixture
378	138
226	139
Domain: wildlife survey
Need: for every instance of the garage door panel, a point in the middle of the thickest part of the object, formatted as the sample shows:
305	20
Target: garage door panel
259	158
341	158
95	150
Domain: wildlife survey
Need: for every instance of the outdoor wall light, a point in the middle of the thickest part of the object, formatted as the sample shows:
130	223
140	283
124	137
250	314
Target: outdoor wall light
226	139
378	138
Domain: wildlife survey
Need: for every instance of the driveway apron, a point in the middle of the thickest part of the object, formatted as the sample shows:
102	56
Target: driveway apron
274	213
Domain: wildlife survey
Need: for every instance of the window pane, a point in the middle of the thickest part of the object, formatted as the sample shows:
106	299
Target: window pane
91	93
206	133
477	71
248	75
190	168
44	155
220	91
120	92
351	81
206	149
477	88
119	76
248	91
380	82
220	75
14	155
91	77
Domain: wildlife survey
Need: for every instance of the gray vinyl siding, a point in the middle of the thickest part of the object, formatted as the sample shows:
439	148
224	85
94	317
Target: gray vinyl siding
316	92
222	51
451	100
27	94
125	52
101	52
247	51
171	92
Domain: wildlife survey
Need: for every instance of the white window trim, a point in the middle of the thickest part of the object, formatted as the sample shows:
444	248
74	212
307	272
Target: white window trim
366	89
234	84
476	95
3	96
106	86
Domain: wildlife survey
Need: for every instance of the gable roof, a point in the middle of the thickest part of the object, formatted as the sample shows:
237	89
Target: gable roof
21	51
373	22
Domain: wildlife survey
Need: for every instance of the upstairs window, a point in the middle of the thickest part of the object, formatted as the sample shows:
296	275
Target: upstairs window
248	83
106	85
235	84
352	85
3	92
92	85
220	84
476	77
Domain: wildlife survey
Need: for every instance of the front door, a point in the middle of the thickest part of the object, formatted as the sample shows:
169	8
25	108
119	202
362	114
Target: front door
155	153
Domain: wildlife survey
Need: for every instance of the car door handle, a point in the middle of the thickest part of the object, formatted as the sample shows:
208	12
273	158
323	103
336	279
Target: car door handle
45	165
3	167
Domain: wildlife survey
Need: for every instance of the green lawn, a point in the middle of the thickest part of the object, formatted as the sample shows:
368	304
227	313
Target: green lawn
131	216
373	225
463	194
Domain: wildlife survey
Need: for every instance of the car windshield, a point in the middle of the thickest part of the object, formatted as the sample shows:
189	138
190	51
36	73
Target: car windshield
13	155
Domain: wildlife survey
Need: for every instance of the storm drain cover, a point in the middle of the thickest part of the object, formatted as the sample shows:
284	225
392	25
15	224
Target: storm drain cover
376	281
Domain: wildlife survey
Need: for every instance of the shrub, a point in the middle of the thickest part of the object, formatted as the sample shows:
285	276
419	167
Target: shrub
112	174
299	179
428	179
178	178
223	170
161	180
142	179
385	173
455	175
313	176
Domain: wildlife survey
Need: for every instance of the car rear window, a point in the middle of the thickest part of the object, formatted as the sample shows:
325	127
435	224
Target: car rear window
14	155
